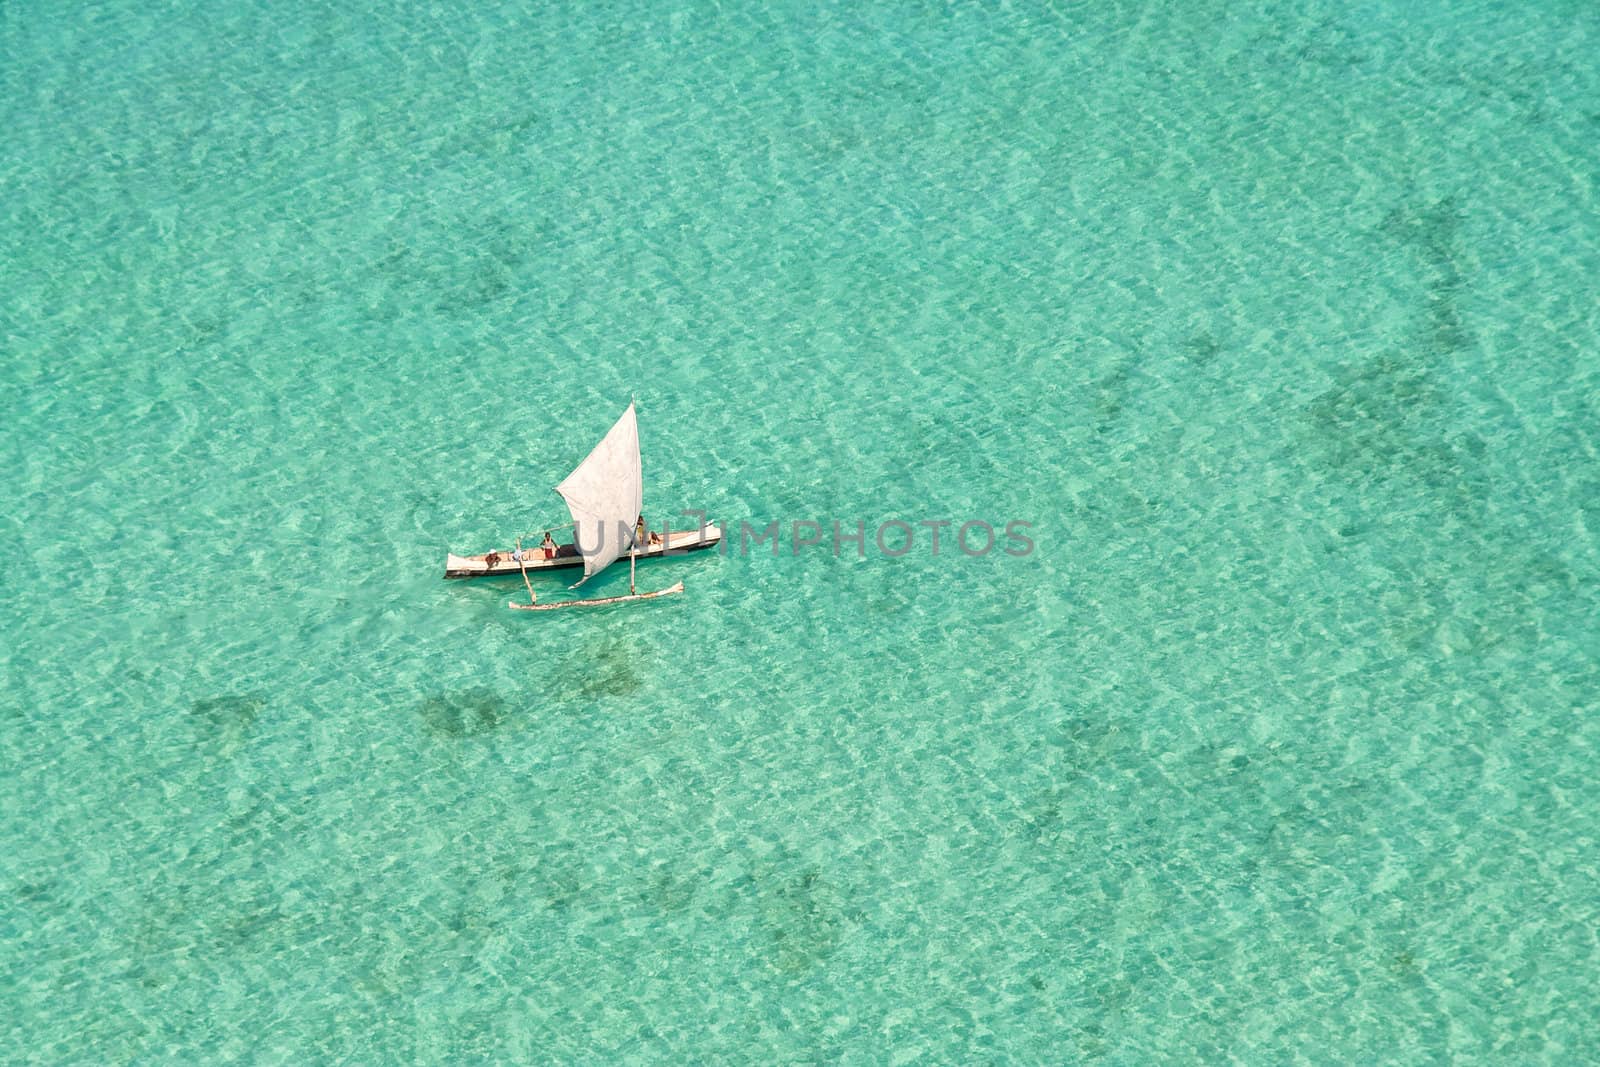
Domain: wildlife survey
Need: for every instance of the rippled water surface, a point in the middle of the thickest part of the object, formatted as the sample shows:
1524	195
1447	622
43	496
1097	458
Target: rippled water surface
1276	321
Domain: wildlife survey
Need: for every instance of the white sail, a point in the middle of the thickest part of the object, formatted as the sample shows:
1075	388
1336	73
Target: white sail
606	496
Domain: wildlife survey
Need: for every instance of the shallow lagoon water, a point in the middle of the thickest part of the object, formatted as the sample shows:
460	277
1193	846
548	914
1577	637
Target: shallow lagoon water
1276	322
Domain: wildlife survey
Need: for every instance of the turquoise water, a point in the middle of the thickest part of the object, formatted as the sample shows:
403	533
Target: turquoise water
1277	321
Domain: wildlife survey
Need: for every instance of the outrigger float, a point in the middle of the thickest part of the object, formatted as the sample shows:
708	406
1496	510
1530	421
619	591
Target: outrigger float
605	495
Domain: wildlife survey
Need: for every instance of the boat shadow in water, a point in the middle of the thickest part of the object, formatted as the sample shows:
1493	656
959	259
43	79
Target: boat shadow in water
608	670
802	913
462	714
222	723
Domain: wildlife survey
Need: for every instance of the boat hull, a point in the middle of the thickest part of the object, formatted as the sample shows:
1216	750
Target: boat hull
676	543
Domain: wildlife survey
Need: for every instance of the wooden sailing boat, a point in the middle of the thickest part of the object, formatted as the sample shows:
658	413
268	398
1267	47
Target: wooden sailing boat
605	495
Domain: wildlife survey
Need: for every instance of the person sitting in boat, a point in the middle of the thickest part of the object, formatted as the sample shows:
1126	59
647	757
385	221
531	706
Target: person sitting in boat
548	546
643	536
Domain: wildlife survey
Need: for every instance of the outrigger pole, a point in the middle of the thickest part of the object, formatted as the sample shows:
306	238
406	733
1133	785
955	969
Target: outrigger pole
522	562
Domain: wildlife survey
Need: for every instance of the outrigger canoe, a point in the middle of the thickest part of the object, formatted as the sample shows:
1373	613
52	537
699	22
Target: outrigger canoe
605	496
